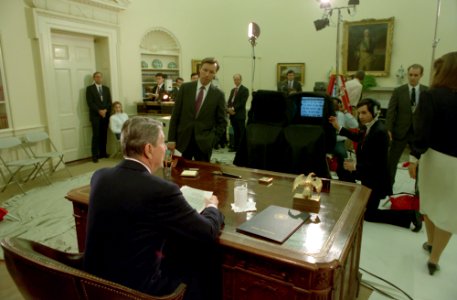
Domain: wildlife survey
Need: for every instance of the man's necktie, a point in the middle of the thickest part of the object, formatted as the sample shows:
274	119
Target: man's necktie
100	92
234	95
413	96
198	101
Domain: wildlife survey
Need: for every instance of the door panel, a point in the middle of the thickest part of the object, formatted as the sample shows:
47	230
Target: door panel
74	62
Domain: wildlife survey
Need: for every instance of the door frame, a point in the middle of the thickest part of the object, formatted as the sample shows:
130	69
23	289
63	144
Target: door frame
45	23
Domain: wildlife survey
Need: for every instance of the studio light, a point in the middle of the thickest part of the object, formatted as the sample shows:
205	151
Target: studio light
253	32
325	4
321	23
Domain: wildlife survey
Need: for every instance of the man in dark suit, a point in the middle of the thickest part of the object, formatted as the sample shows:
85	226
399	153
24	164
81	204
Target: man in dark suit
400	115
98	99
236	108
178	83
198	120
290	85
159	89
133	215
371	166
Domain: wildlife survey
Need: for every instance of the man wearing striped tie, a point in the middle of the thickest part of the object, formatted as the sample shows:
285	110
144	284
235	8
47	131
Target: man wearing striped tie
199	116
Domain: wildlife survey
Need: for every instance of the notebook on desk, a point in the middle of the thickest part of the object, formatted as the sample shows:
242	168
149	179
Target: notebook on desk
274	223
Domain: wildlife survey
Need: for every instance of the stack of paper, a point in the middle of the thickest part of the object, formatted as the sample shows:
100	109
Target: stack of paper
195	197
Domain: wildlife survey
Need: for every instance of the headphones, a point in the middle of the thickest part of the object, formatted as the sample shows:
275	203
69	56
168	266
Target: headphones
374	107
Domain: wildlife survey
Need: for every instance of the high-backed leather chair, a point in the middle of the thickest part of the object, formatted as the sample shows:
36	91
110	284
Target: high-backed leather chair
41	272
305	150
261	145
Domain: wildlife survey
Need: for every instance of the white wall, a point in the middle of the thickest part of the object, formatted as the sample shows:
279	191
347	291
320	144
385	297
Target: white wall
219	28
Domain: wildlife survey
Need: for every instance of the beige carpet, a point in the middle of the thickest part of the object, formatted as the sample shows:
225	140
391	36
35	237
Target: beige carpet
44	215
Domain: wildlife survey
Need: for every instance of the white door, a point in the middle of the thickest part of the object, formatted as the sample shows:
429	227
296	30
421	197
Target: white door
74	63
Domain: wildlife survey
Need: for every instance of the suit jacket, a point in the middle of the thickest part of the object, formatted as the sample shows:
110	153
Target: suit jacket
161	90
207	127
131	216
239	103
399	118
372	168
95	102
283	86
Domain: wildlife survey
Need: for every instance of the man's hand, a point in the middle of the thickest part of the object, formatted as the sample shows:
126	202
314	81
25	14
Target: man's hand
412	169
349	165
333	120
213	201
231	111
102	112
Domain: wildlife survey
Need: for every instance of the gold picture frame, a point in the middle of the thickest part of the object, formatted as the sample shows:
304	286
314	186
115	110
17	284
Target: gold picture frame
367	45
283	68
196	64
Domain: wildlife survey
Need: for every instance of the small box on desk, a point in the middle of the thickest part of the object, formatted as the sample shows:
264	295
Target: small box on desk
308	204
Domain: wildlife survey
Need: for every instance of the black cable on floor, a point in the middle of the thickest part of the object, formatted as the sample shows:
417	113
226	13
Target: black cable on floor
388	282
378	290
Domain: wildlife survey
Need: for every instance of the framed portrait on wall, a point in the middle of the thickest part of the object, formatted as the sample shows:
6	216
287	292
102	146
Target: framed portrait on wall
283	68
367	46
196	64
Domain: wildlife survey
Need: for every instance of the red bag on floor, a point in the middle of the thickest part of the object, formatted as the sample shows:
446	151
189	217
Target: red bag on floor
404	201
3	213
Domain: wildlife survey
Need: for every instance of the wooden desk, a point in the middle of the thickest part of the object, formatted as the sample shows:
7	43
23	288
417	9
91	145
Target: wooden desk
319	261
164	107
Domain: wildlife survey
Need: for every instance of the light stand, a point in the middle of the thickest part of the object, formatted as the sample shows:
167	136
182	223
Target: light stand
435	40
324	21
253	34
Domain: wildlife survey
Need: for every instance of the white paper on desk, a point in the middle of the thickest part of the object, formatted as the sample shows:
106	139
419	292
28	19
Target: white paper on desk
195	197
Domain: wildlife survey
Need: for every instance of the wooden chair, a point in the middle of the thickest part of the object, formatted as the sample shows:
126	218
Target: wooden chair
41	272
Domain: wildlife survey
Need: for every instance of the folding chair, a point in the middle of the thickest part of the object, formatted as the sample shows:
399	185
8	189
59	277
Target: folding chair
33	138
14	166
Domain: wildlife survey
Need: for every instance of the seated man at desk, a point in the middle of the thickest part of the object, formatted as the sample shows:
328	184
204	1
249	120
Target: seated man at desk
133	214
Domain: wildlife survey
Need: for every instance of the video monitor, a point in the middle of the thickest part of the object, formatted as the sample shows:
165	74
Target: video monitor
312	107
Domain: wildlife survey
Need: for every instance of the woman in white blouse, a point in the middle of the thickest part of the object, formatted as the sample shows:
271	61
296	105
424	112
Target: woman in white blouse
117	119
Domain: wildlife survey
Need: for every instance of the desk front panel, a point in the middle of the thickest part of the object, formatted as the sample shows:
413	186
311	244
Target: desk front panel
319	261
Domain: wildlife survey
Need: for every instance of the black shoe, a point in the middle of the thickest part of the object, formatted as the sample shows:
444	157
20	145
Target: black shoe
417	222
427	247
95	159
432	268
106	155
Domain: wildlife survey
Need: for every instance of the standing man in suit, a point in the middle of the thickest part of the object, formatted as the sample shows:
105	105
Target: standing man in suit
236	109
290	85
98	99
199	116
400	115
134	214
371	165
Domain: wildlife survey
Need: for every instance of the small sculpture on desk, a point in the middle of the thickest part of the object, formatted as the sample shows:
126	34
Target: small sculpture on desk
309	199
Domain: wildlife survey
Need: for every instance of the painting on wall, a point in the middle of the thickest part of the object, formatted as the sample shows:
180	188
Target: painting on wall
367	46
283	68
196	64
